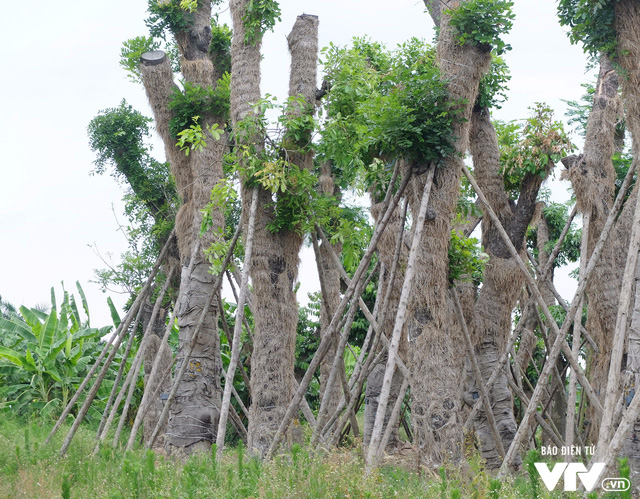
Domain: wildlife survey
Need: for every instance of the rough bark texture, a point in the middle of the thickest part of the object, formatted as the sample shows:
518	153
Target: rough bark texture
274	266
502	282
194	412
372	395
331	297
628	29
631	448
593	178
434	362
154	343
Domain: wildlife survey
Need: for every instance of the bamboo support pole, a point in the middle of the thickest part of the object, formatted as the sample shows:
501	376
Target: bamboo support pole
96	385
383	306
359	369
118	334
389	205
393	419
123	364
403	305
141	349
335	366
135	372
247	303
237	330
229	335
562	302
146	396
476	373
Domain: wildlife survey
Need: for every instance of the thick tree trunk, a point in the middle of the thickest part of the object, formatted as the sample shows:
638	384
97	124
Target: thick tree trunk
628	29
194	412
274	265
193	419
593	178
434	362
502	282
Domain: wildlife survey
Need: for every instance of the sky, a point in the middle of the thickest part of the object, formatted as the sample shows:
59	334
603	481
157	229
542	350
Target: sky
65	68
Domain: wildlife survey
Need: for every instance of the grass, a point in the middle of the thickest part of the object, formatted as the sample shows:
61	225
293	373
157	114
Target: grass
28	469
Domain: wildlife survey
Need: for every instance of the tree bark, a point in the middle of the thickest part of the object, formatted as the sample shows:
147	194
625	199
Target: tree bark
431	332
593	178
274	266
195	410
331	295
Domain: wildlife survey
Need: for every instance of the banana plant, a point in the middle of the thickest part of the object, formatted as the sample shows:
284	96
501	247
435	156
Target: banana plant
44	356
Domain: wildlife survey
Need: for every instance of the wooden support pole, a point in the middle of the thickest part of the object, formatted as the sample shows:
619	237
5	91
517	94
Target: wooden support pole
389	204
403	305
120	331
476	373
237	330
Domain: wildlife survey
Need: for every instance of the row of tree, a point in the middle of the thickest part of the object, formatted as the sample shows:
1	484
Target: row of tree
411	296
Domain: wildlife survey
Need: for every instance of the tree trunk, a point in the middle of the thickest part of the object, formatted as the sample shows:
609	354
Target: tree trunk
628	29
502	282
593	178
432	336
274	265
194	412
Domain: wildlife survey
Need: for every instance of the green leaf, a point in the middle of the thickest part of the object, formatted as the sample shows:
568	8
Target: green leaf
115	317
30	359
49	330
84	301
12	356
18	327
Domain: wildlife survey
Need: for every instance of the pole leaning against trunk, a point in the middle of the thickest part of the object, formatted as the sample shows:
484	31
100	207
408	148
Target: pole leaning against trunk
398	326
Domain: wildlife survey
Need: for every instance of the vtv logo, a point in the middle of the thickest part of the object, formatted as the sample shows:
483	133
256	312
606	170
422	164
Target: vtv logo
570	470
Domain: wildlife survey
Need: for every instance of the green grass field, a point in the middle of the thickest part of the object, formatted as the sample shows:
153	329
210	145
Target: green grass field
27	469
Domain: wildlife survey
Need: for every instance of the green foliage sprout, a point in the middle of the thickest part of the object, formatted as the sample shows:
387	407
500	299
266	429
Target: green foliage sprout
259	17
466	260
384	105
270	166
531	146
493	85
196	101
482	23
592	23
131	52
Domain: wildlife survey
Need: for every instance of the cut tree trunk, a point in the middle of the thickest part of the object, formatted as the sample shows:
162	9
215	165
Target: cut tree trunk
274	265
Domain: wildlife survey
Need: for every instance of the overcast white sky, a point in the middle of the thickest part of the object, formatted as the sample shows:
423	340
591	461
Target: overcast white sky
61	68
